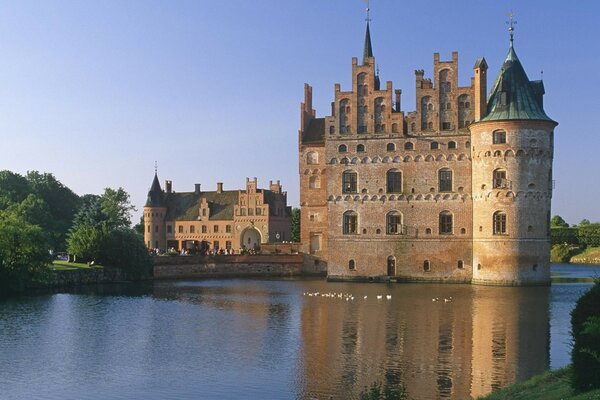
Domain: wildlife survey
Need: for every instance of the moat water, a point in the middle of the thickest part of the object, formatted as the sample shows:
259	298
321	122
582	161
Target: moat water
265	339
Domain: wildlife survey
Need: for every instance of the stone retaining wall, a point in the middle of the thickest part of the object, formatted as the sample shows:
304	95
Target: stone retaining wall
272	265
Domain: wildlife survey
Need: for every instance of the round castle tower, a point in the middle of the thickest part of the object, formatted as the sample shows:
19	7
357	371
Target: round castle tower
154	217
512	151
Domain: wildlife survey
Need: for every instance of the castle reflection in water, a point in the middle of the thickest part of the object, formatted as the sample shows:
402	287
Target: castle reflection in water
484	339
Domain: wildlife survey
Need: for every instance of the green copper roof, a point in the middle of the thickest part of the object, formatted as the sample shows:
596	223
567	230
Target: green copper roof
155	195
368	51
513	96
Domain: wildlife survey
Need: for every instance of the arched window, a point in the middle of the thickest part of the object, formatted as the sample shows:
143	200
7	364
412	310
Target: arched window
499	223
435	145
426	266
413	127
394	223
499	179
499	137
362	89
349	182
344	110
464	112
461	264
452	145
350	223
312	157
379	110
430	125
390	147
351	264
445	223
314	182
360	148
409	146
394	181
395	128
445	180
426	111
342	148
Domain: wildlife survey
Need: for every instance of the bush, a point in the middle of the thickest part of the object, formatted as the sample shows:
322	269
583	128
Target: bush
124	248
560	253
586	340
589	235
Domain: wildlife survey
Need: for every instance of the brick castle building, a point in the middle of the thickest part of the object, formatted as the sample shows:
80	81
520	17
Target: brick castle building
457	191
214	220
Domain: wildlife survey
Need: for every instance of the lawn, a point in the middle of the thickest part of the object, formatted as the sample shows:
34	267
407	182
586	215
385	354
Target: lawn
58	265
547	386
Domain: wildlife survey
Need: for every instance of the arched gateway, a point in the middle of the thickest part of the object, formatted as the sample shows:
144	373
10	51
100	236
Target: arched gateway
250	238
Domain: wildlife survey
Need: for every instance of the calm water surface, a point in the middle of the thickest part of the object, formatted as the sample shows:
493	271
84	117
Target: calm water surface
265	339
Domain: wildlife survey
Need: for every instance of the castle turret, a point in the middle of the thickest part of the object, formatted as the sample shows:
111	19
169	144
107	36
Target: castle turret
512	152
154	216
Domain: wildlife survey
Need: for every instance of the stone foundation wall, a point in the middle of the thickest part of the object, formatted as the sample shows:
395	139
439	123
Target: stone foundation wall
236	266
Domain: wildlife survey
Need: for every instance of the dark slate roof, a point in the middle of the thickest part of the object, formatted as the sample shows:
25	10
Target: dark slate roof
185	206
513	96
155	195
368	50
315	131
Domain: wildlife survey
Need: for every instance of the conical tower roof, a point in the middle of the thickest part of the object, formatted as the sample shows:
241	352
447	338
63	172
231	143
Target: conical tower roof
155	195
514	96
368	50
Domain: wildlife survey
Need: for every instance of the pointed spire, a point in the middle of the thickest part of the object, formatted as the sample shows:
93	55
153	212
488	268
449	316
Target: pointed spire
368	50
155	194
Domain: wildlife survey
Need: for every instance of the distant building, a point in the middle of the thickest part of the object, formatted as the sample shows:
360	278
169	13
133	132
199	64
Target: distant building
215	220
457	191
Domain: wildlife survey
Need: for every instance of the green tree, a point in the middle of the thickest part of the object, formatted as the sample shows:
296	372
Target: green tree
586	343
124	248
296	224
24	255
139	227
14	188
117	207
558	221
62	205
584	222
86	242
589	235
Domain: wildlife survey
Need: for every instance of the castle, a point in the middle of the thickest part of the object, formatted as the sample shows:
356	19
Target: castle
227	220
457	191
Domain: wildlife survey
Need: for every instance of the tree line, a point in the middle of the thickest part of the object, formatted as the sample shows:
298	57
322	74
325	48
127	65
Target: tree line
569	240
40	216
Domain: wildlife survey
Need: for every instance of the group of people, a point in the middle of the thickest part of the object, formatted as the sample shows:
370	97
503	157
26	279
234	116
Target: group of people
204	251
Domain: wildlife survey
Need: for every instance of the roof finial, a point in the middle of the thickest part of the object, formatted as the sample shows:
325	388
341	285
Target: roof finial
542	73
377	69
155	167
368	19
511	26
368	49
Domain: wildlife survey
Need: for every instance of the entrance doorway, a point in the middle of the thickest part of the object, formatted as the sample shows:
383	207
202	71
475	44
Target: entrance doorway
391	266
250	238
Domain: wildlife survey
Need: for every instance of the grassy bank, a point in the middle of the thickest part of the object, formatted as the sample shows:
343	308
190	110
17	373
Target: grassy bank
58	265
547	386
591	255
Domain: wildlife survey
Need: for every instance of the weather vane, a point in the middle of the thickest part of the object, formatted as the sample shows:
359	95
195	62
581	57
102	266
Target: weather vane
368	9
511	25
155	167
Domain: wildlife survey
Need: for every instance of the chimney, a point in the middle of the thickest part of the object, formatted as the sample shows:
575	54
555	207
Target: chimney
197	188
398	94
219	187
480	105
168	186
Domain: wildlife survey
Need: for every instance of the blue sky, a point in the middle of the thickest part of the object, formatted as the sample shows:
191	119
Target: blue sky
95	92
